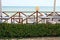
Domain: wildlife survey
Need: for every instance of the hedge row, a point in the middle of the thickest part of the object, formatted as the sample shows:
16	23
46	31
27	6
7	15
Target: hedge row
28	30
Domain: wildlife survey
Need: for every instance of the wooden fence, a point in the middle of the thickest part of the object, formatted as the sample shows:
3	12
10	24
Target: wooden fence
21	17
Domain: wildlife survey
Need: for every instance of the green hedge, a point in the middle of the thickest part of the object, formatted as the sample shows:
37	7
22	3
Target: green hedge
28	30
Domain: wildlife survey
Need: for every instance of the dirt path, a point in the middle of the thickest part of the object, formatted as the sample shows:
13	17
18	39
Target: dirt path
40	38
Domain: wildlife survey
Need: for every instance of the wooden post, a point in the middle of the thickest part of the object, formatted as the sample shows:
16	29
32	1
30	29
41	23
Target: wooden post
26	20
52	19
36	16
37	9
22	21
19	17
11	19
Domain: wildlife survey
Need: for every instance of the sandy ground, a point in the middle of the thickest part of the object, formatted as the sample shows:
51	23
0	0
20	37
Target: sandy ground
39	38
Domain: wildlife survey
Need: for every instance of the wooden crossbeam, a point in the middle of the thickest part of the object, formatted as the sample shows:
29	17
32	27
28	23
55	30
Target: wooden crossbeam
28	16
23	14
5	13
12	16
19	15
16	20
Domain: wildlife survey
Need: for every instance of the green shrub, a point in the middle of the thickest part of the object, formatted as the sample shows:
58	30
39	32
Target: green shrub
28	30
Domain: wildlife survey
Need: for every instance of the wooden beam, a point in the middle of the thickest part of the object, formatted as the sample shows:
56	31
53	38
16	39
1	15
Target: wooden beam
13	15
19	16
36	16
5	13
29	16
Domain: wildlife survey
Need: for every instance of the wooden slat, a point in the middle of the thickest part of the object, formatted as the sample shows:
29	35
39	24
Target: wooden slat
29	16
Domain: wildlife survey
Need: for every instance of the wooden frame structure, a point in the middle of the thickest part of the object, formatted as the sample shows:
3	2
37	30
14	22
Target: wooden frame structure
20	19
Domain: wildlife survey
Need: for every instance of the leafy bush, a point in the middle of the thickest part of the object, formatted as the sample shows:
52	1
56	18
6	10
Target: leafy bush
28	30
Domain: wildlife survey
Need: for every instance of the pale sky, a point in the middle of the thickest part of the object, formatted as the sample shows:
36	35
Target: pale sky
29	2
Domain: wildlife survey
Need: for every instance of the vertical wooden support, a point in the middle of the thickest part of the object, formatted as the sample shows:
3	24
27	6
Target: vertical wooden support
37	9
36	16
1	18
34	19
26	20
14	20
11	19
22	21
52	19
19	17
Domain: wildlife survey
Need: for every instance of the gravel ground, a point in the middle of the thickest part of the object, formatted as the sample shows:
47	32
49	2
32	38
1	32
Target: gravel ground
39	38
